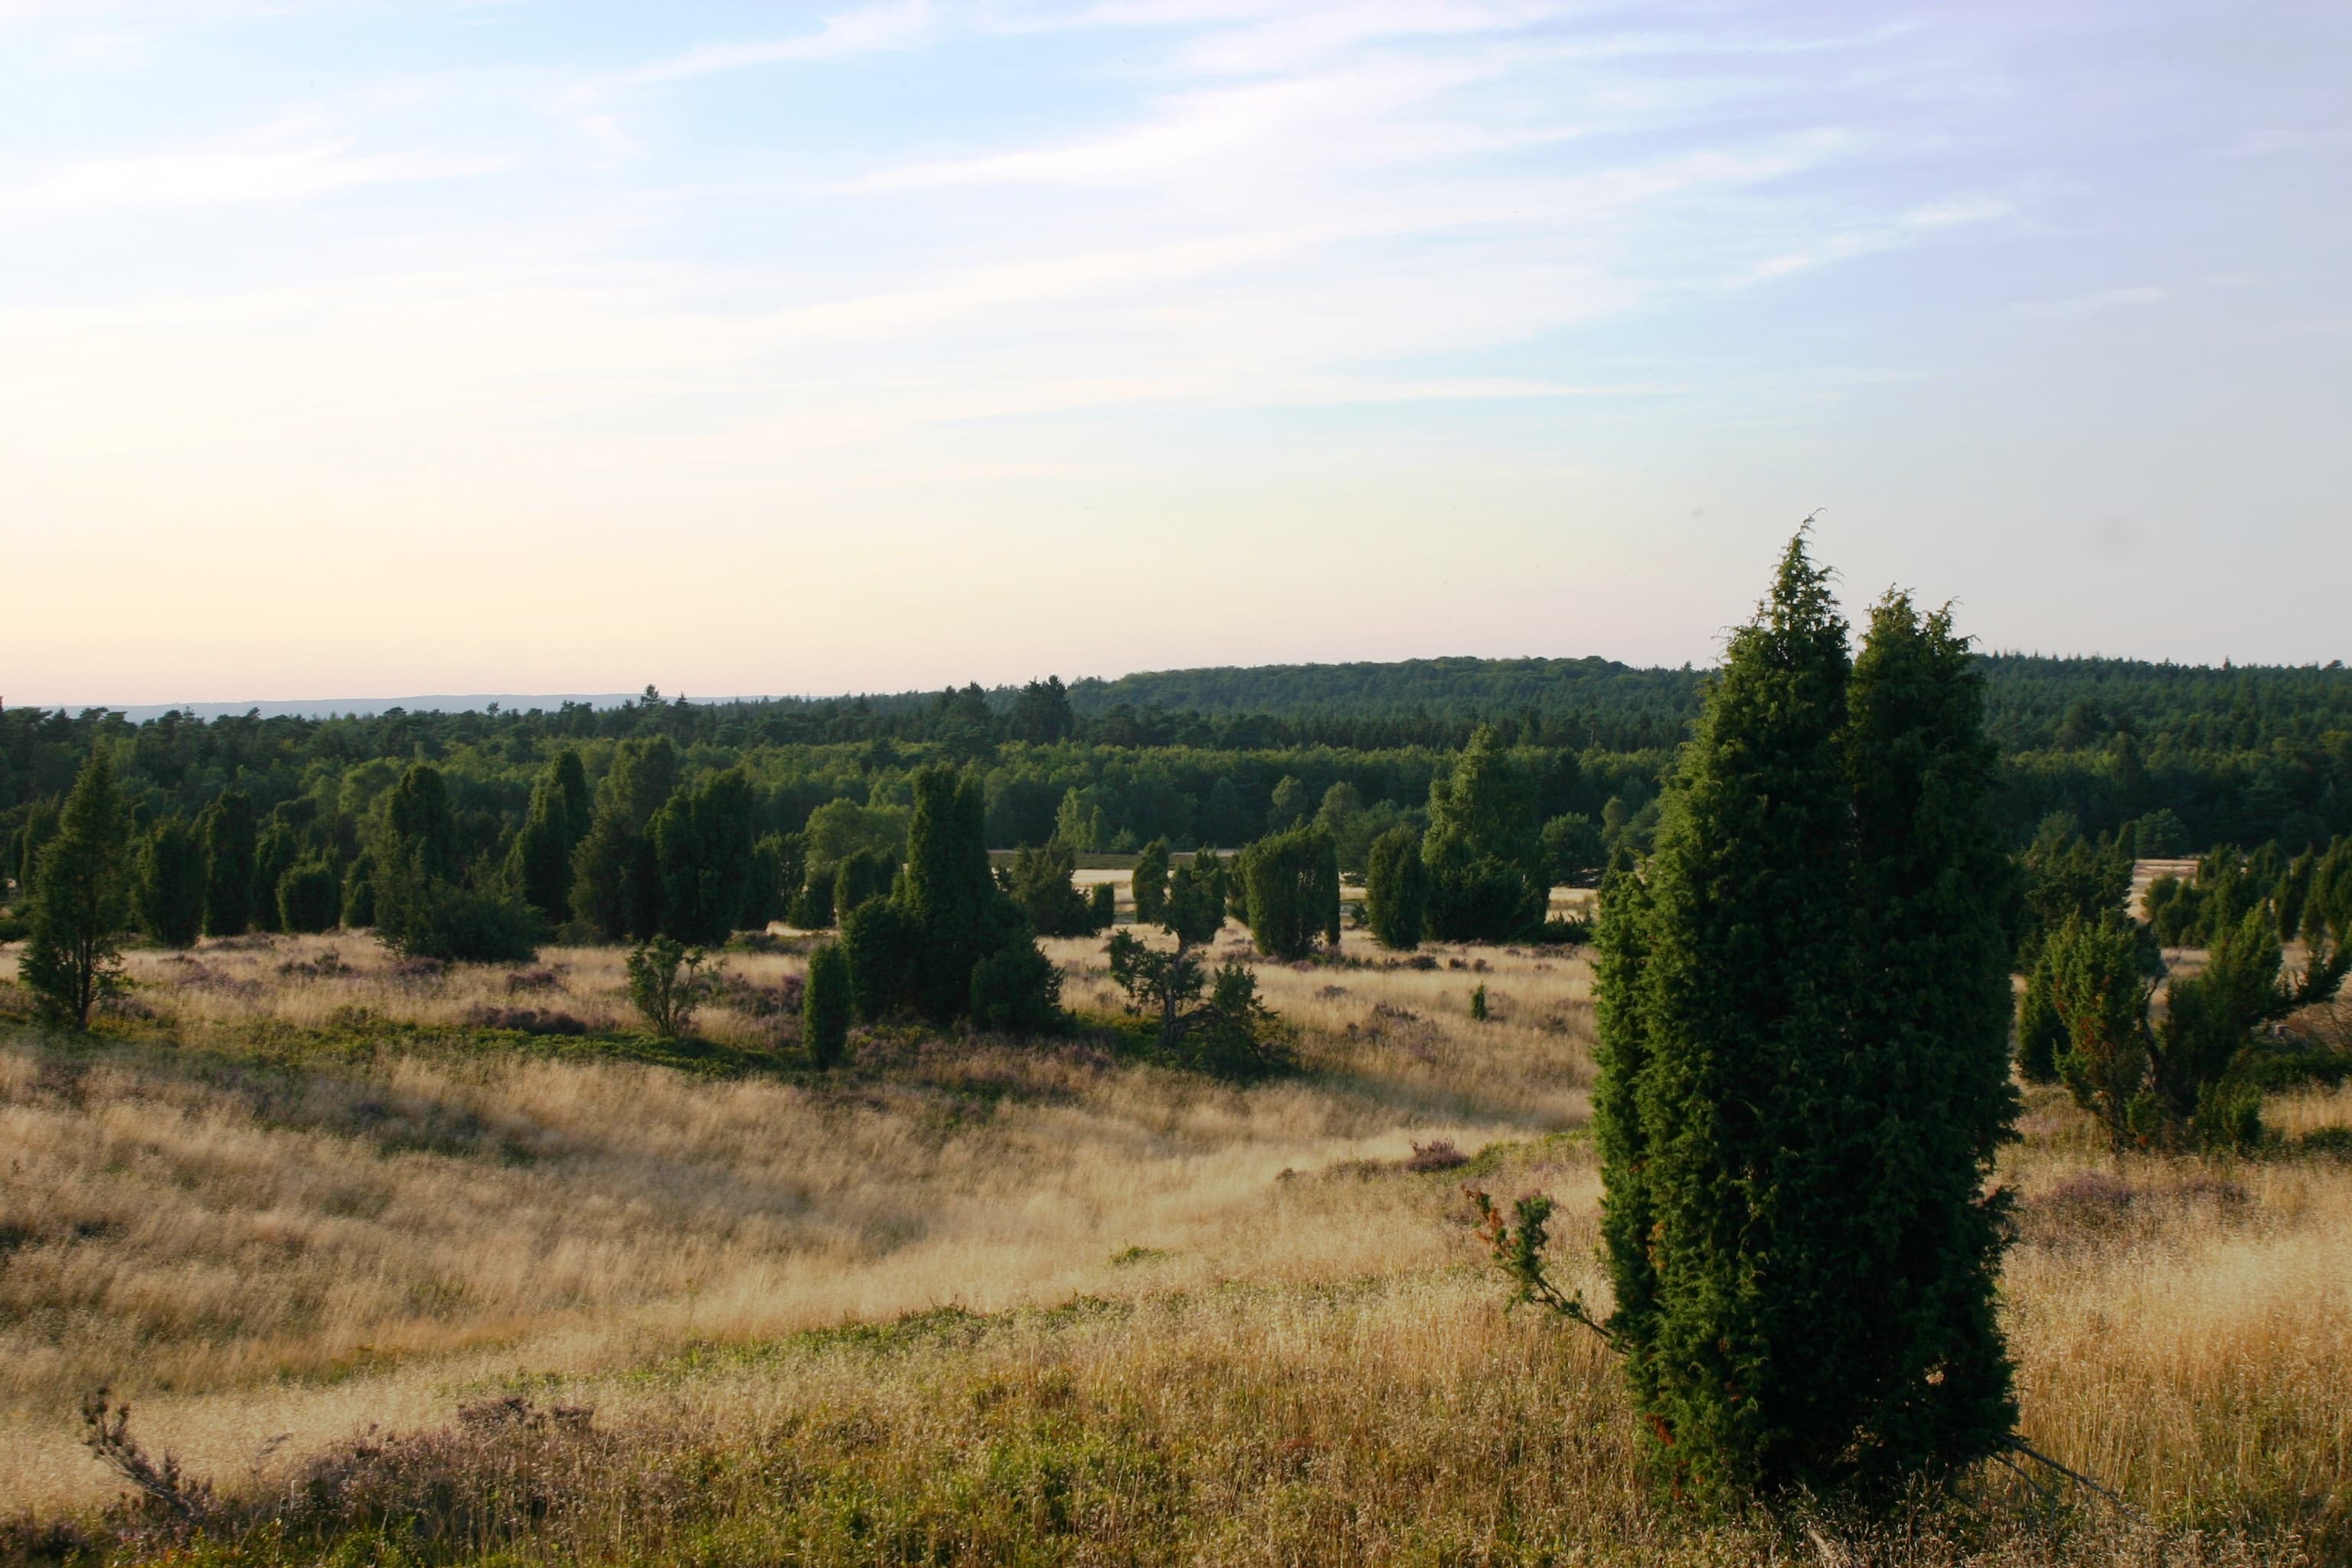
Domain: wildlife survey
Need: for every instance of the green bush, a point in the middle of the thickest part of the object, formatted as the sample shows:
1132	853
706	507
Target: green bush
171	884
812	907
1041	882
1150	885
308	896
1017	990
1396	890
1486	900
665	986
427	917
878	943
1292	883
864	874
826	1006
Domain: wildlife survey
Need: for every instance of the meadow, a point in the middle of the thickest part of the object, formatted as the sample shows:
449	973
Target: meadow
423	1264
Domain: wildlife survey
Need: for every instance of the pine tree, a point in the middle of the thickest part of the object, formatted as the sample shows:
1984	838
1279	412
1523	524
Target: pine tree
1396	890
80	900
2040	1033
1041	714
229	831
1931	1101
824	1007
422	906
170	889
1735	1304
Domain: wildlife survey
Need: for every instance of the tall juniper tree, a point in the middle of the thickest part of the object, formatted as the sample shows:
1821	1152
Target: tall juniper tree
539	863
1802	1005
81	898
230	833
169	885
1928	1040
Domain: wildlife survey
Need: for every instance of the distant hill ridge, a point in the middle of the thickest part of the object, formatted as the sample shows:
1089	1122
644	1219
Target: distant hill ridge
2104	692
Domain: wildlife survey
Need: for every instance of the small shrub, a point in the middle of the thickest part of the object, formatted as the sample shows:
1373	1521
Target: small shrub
1017	990
812	907
1437	1154
1562	931
525	1020
532	980
1478	1003
664	986
310	895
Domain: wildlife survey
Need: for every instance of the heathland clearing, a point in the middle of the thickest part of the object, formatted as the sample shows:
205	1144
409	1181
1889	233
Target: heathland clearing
296	1188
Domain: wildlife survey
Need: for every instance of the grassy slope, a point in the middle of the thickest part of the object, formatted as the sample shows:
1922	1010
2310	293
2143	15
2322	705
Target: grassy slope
994	1301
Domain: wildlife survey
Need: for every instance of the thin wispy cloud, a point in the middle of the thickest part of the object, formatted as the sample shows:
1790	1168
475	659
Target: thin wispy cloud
1128	288
284	163
2096	301
891	25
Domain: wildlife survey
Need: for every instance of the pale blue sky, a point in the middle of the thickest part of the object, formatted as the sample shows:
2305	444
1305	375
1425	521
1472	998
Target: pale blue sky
370	348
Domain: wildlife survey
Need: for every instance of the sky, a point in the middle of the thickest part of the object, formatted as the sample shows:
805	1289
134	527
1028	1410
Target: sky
458	345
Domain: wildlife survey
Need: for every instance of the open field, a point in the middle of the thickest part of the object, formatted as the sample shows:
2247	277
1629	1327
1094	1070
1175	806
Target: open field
1145	1316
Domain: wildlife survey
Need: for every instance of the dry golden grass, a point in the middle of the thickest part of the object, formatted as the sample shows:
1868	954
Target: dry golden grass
249	1232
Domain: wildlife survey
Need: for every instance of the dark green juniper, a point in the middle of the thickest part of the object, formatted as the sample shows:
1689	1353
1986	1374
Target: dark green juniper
1802	1007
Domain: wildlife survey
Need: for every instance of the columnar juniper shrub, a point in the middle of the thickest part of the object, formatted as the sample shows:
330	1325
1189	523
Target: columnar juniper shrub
825	1006
80	900
1793	1218
170	890
1396	890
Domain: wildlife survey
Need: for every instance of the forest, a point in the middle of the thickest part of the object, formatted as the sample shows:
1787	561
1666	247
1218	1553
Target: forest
2181	758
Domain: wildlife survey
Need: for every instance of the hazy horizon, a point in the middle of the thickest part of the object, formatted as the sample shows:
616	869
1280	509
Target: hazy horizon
448	702
464	345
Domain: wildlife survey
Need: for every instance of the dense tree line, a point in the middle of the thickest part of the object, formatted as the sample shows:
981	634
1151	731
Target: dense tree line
2187	757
